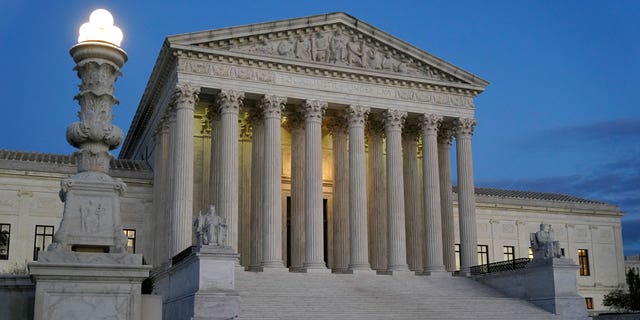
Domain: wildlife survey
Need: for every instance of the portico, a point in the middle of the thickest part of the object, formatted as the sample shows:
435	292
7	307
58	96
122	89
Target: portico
318	108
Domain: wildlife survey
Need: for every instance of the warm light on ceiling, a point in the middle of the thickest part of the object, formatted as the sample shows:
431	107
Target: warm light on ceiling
100	27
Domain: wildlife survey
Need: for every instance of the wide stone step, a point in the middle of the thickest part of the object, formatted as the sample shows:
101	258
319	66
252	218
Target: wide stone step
338	296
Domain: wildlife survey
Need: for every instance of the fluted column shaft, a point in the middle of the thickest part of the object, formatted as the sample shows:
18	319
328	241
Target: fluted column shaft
431	186
296	123
359	249
314	260
341	187
214	160
446	199
161	135
466	196
397	260
229	103
181	198
377	196
257	175
272	182
413	196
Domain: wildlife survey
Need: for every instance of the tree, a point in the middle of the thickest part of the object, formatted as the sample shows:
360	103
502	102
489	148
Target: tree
622	300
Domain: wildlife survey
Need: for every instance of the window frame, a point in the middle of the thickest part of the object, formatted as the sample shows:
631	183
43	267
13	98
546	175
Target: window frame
132	239
45	235
589	302
583	261
483	253
508	253
8	232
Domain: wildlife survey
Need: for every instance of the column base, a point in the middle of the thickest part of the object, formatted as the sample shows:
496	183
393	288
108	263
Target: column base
274	269
253	269
433	270
315	268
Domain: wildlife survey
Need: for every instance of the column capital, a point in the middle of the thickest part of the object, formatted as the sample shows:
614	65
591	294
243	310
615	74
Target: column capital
356	115
464	126
429	123
229	101
411	129
272	106
445	134
294	119
375	125
337	123
314	109
185	96
394	119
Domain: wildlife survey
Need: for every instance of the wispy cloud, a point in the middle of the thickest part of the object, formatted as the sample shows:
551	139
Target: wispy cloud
606	166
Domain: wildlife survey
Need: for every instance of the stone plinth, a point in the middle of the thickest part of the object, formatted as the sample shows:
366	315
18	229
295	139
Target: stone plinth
552	285
199	284
82	285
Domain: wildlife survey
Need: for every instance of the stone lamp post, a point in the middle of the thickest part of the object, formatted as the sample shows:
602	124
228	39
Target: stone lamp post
86	273
91	219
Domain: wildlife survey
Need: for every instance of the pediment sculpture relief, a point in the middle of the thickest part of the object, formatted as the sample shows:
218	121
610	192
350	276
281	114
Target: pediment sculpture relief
344	48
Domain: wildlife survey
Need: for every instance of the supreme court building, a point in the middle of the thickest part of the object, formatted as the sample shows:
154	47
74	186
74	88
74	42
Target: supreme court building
325	143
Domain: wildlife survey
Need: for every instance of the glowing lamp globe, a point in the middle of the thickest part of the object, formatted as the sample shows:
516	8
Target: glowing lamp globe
100	28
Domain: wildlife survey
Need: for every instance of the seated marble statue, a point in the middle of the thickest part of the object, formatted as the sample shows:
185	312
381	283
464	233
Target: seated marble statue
210	229
543	244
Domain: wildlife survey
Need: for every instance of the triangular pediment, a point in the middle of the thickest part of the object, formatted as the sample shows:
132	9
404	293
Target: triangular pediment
336	40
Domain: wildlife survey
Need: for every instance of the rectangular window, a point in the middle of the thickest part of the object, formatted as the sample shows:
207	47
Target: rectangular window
562	251
5	237
131	239
42	240
589	302
583	260
457	255
483	254
508	253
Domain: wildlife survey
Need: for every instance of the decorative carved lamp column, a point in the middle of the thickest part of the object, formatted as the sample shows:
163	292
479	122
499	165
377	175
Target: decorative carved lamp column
91	218
87	265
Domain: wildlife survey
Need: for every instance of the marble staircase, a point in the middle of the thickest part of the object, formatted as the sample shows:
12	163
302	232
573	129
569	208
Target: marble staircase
368	296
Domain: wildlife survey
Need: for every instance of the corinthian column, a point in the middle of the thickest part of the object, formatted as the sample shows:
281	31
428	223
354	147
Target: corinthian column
181	198
340	194
359	254
413	196
446	198
395	195
257	175
295	122
466	195
314	260
272	182
377	196
431	187
229	103
214	160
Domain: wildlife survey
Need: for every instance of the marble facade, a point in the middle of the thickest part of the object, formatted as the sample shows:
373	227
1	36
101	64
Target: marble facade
325	143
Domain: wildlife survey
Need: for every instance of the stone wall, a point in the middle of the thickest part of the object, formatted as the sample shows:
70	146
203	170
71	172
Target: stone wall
29	186
17	295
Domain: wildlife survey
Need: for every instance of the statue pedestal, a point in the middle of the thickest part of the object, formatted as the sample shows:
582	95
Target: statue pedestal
552	285
199	284
81	285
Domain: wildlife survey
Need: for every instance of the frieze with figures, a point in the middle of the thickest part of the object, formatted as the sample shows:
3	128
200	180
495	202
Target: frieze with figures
337	45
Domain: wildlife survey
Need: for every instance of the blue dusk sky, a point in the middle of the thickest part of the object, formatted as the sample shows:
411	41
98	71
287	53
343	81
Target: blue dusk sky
560	113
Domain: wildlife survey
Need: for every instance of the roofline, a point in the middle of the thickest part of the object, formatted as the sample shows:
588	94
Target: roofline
310	21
